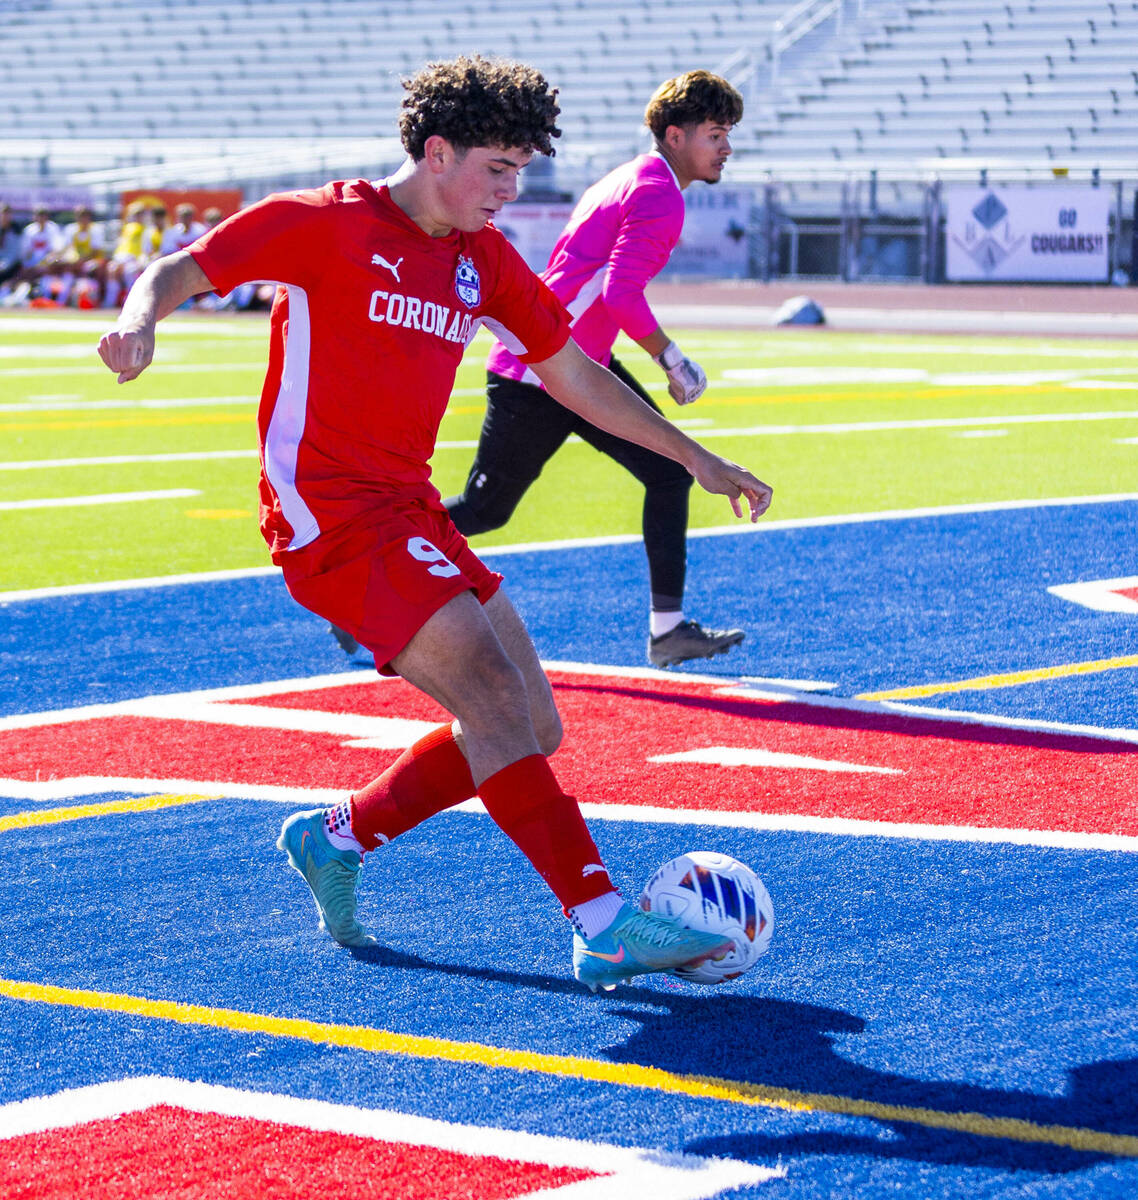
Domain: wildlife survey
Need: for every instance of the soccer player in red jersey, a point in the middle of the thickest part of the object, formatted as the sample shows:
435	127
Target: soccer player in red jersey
382	286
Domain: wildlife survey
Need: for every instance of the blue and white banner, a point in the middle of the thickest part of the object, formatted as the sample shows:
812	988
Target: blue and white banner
713	244
1058	234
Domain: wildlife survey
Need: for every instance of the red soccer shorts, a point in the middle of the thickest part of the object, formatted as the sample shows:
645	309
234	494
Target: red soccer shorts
382	580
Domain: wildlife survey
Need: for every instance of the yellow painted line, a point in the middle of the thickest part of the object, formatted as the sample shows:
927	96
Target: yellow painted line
776	393
79	812
1012	679
381	1041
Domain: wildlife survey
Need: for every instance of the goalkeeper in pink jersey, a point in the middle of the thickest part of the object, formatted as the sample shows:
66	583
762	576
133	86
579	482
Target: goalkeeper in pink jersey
383	284
620	236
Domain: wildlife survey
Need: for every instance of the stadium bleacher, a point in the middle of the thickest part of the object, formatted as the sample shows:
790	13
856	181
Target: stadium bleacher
880	82
183	71
846	99
1037	79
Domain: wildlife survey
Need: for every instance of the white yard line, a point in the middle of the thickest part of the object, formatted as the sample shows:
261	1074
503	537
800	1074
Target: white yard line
114	460
128	585
1111	843
126	402
929	423
58	790
105	498
182	368
763	526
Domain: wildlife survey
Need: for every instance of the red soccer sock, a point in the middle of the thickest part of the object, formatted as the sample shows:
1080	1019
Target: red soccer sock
429	776
529	806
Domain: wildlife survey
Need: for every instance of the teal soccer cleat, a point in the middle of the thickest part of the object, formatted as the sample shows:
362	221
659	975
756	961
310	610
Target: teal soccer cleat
638	943
332	875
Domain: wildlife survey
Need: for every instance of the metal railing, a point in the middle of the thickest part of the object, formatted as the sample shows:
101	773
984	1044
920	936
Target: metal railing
795	24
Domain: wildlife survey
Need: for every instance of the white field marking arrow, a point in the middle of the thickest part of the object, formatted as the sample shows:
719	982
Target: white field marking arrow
739	756
363	732
1102	594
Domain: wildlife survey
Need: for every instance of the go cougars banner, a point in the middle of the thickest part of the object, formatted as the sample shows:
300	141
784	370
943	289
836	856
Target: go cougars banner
1055	234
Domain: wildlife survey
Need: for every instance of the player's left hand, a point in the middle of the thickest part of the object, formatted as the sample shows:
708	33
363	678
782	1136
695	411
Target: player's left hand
686	379
721	477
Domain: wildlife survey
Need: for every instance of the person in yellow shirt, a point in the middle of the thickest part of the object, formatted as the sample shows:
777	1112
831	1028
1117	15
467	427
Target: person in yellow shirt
79	266
140	239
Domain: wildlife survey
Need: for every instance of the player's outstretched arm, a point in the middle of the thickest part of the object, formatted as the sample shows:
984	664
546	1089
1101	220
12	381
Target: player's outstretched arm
128	348
591	391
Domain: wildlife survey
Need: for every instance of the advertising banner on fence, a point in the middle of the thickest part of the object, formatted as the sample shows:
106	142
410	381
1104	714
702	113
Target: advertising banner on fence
60	200
1054	234
227	200
714	241
533	228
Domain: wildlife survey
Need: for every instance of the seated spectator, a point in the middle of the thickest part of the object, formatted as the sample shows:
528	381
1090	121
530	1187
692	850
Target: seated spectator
78	267
11	243
246	296
184	232
40	239
135	248
154	232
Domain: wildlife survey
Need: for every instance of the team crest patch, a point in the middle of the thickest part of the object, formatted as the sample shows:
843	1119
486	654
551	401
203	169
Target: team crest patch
467	283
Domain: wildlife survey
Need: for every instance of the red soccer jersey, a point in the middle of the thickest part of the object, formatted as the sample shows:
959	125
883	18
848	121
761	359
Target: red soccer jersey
367	332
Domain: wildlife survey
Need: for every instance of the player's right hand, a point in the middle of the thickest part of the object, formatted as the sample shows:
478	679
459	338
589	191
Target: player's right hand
127	352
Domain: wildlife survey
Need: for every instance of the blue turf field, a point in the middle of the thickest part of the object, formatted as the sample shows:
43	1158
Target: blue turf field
867	606
992	988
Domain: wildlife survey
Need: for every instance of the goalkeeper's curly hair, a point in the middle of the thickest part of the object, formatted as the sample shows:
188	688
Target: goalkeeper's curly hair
691	99
475	101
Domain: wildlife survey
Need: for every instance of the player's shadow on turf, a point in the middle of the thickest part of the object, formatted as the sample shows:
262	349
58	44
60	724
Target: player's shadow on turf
791	1047
385	956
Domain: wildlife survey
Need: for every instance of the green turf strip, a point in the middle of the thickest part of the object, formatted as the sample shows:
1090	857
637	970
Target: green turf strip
57	402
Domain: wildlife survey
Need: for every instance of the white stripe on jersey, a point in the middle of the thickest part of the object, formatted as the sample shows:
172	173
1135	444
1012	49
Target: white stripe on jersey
512	343
589	292
580	304
286	426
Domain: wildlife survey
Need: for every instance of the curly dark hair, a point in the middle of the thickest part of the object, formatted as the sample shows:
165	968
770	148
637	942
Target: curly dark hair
477	101
691	99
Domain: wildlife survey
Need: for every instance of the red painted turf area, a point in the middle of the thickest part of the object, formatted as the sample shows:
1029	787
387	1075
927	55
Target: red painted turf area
166	1151
950	773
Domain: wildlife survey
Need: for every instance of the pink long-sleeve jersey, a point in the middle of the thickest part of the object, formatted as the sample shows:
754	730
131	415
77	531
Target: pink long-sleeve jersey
620	235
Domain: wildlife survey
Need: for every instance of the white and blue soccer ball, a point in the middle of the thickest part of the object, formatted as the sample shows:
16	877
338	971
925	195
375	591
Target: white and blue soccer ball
717	894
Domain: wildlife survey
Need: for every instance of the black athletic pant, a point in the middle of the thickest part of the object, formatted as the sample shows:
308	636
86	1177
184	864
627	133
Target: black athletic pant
524	427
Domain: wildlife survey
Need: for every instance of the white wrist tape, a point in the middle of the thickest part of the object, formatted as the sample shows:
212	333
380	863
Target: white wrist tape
670	357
